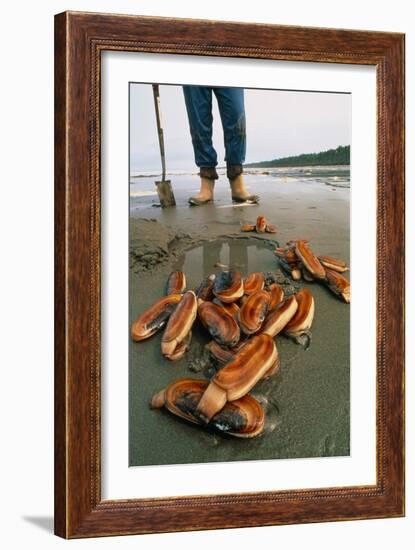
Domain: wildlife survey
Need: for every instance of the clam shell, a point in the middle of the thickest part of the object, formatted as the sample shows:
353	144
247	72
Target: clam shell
261	224
276	293
284	265
232	308
296	274
303	318
270	228
310	261
220	324
276	321
179	326
181	348
247	367
306	274
273	369
176	283
254	282
291	257
280	252
248	227
154	318
205	290
239	376
221	354
228	286
333	263
242	418
253	311
338	284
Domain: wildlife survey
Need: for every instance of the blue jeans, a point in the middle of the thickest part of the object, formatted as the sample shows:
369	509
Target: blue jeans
198	101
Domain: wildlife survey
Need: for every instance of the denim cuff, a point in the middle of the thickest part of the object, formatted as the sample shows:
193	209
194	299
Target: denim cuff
233	170
208	172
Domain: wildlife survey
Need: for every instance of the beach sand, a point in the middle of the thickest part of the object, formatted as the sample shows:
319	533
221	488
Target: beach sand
307	401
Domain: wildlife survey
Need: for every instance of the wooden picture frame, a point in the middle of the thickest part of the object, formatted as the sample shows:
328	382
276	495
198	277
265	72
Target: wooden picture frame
79	40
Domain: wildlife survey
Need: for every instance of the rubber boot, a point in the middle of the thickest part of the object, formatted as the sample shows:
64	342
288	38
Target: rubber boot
239	191
205	194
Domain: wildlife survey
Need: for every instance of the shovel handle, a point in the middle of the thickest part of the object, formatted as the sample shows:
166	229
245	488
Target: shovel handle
156	94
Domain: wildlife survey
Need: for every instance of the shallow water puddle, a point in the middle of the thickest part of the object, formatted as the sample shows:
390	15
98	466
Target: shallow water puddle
244	254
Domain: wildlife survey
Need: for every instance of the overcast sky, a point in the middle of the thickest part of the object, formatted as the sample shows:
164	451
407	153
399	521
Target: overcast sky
279	124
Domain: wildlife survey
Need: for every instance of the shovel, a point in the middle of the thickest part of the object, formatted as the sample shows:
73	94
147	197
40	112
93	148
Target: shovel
164	188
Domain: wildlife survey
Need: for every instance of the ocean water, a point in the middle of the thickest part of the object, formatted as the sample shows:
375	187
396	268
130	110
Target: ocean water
143	191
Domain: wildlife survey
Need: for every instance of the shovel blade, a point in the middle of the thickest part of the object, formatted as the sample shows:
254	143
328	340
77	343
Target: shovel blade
165	193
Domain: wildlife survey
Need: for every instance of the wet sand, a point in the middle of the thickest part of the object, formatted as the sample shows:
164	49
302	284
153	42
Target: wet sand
307	402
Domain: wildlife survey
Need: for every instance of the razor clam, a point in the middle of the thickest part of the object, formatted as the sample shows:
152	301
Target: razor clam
246	227
205	290
228	286
176	337
276	294
257	357
261	224
333	263
254	282
243	417
299	326
220	324
154	318
232	307
221	354
253	311
309	260
270	228
176	283
276	320
338	284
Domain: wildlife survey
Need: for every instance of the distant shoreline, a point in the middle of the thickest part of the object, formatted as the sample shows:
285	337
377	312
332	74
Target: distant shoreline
332	157
299	165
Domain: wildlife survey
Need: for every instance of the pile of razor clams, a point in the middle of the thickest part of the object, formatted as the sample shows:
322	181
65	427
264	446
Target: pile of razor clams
243	317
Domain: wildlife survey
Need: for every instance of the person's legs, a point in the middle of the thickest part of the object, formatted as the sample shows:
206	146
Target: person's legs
198	100
232	112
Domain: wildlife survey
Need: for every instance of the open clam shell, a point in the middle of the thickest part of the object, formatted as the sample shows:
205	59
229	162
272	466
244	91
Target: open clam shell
253	311
220	324
228	286
242	418
176	283
176	336
154	318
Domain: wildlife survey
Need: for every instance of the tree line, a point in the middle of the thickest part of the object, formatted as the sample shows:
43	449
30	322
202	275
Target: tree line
340	155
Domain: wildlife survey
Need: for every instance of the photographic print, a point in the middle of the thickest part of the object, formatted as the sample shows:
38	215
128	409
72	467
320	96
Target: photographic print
210	371
239	274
